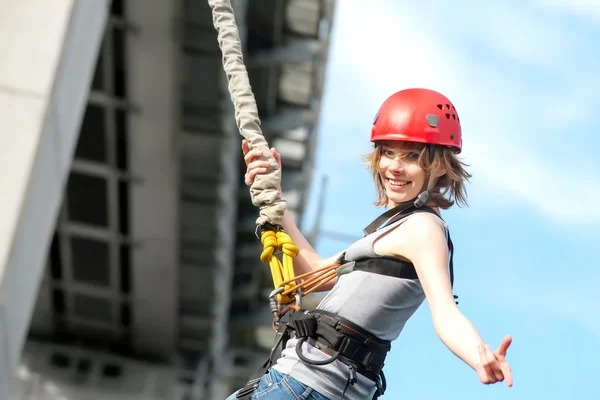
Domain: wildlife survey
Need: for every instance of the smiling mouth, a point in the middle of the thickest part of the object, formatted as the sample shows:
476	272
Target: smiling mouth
398	183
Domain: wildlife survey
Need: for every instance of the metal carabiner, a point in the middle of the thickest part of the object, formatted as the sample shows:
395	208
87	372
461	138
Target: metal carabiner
274	305
298	296
276	291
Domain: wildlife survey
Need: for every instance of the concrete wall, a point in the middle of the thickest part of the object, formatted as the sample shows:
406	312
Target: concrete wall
49	51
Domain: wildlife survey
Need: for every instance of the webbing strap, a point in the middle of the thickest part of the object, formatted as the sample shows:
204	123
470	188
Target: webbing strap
353	328
388	266
396	214
245	393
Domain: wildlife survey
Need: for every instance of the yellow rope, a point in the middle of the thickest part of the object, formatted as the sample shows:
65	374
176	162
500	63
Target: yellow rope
273	241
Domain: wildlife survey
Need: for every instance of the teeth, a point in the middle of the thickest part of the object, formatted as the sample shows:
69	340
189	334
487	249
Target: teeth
398	183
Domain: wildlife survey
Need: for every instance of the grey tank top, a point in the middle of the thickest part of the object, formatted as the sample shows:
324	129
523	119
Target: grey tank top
377	303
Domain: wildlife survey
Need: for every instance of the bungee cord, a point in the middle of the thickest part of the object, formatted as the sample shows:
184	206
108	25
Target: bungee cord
264	190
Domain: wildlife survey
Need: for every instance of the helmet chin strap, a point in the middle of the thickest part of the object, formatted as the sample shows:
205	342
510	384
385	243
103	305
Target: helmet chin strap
424	195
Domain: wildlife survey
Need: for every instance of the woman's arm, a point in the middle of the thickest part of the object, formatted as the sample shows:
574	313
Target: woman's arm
428	251
307	259
423	242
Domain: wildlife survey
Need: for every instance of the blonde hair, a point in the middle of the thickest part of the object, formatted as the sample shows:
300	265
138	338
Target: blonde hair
448	189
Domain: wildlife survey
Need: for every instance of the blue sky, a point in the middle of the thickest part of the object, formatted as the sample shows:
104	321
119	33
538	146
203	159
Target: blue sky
524	78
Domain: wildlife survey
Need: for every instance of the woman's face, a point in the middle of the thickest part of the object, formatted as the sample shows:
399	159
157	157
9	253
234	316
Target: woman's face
400	173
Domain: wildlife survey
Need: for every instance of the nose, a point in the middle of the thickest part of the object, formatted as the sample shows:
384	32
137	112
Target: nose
397	165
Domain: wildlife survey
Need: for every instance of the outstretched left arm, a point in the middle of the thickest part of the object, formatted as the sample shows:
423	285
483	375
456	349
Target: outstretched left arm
428	251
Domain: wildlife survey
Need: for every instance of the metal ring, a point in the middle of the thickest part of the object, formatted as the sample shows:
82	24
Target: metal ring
308	361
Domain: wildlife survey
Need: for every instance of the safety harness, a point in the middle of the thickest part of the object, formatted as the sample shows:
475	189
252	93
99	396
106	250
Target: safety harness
334	335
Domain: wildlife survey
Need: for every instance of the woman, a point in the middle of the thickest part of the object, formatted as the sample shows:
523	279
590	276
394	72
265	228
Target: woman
416	136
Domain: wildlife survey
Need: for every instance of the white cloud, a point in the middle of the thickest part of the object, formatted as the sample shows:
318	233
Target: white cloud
587	9
514	35
550	187
503	117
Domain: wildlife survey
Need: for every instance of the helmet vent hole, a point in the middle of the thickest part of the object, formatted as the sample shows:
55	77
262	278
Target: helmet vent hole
448	106
454	117
440	106
447	116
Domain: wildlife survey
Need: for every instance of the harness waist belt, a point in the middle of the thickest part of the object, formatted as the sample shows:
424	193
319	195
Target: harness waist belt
342	339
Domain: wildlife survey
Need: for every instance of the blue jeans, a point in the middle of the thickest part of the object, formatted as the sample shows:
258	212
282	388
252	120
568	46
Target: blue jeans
276	386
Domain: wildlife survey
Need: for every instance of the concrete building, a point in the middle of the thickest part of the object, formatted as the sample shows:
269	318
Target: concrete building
129	267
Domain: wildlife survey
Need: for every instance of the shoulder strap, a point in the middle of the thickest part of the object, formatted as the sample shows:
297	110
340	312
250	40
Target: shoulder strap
394	214
388	266
411	212
377	222
451	264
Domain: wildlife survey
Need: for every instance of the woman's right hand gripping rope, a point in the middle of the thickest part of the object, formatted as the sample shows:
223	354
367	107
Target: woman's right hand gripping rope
255	167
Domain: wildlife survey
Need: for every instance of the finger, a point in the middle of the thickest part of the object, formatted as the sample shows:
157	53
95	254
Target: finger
258	164
276	155
251	175
494	364
251	155
486	367
483	376
507	373
506	342
244	146
482	372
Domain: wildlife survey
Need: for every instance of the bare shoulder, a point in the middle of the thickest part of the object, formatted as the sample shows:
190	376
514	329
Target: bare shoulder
420	232
421	227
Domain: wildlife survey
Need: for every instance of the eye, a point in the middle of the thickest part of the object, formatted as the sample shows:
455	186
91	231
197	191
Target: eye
388	153
412	156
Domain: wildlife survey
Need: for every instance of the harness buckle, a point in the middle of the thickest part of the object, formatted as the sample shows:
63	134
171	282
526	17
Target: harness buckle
249	388
353	378
374	361
305	326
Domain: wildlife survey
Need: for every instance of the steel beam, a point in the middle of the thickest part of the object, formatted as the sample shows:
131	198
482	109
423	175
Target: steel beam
152	74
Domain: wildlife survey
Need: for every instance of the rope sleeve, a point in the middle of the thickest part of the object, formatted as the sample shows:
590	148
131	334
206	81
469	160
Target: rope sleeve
264	192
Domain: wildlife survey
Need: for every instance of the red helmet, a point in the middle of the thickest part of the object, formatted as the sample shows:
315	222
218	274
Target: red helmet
418	115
